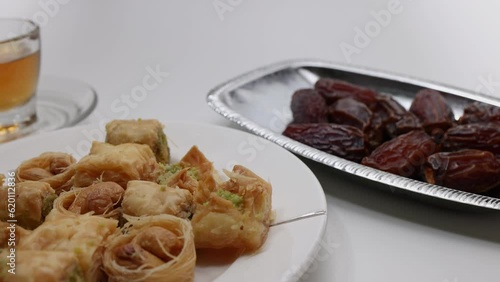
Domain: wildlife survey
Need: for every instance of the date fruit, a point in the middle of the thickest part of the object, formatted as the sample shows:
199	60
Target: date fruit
480	112
433	111
388	108
466	170
349	121
345	141
396	120
308	107
375	132
403	155
334	89
406	123
350	112
481	136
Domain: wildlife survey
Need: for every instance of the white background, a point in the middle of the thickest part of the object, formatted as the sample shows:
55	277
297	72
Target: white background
373	235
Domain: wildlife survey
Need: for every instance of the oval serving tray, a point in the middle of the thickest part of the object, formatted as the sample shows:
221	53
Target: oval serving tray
259	101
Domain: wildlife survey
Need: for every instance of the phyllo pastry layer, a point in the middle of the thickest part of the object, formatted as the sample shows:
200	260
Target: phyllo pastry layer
116	163
142	131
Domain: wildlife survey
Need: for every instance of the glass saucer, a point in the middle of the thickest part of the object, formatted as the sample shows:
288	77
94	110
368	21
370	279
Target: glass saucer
61	102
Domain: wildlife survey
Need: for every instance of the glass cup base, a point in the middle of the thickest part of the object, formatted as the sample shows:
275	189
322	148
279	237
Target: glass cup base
60	102
16	120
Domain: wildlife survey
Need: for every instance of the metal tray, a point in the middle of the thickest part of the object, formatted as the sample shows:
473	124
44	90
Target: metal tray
260	102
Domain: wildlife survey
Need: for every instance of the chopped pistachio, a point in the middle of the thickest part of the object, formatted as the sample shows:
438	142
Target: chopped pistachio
76	275
193	173
237	200
168	171
48	203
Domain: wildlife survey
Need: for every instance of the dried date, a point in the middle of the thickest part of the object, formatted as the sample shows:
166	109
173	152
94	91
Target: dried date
375	132
434	113
308	106
466	170
403	155
395	119
389	109
481	136
334	89
345	141
406	123
350	112
480	112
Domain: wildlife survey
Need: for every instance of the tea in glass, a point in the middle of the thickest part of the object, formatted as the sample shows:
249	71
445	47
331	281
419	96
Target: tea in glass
19	71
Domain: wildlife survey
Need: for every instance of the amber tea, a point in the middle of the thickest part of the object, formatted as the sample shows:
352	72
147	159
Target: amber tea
19	70
18	79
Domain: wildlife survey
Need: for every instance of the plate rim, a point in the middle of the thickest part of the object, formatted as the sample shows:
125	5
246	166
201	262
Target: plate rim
215	100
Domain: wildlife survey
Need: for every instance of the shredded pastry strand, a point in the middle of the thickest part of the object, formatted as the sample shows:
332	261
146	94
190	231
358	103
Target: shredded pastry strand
152	248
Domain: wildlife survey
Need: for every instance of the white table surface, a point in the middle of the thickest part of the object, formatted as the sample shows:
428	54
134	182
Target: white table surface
372	235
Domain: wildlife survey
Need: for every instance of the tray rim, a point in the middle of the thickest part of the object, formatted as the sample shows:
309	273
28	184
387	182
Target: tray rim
215	100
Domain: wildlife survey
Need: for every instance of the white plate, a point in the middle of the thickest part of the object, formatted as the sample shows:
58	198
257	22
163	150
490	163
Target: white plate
290	247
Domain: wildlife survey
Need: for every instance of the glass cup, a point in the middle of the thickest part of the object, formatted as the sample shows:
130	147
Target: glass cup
19	71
